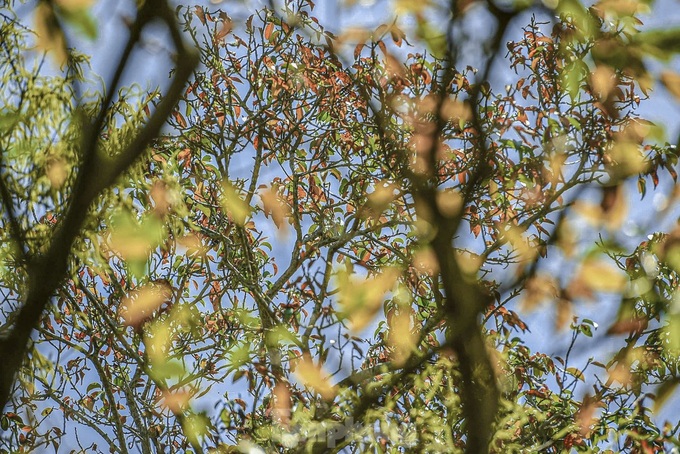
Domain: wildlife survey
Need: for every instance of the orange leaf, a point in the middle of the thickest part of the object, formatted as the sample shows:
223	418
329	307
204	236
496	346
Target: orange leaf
175	401
274	207
315	377
282	404
671	81
138	307
180	119
268	30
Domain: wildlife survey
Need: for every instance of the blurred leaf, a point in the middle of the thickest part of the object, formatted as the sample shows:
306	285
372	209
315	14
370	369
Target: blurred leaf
671	80
282	404
361	298
601	276
195	427
140	304
402	337
235	206
164	370
664	392
660	43
314	376
50	37
176	401
82	19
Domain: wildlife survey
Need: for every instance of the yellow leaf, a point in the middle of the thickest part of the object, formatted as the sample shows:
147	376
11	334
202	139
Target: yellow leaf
628	158
671	80
586	416
49	35
614	206
161	197
664	392
56	172
193	245
601	276
449	202
590	212
237	209
157	342
519	243
410	6
425	261
538	289
456	111
75	5
402	337
380	198
557	161
195	427
603	81
315	377
620	373
564	313
361	298
468	262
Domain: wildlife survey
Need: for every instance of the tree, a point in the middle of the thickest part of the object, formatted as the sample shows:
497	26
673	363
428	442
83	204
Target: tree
54	168
328	248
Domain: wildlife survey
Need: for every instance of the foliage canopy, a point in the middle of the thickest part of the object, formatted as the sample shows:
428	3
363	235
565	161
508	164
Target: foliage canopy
335	240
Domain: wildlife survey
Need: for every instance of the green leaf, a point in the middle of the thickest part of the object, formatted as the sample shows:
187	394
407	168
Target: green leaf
168	369
239	356
660	43
281	334
584	22
576	373
195	427
83	21
575	123
572	76
434	39
664	392
585	329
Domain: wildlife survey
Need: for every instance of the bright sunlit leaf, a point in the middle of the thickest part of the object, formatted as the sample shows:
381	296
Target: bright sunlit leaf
601	276
50	37
275	207
361	298
315	377
141	304
175	401
671	80
282	404
402	337
236	207
195	427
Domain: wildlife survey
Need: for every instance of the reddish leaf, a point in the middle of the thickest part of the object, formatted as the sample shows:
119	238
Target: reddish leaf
358	49
268	30
180	119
